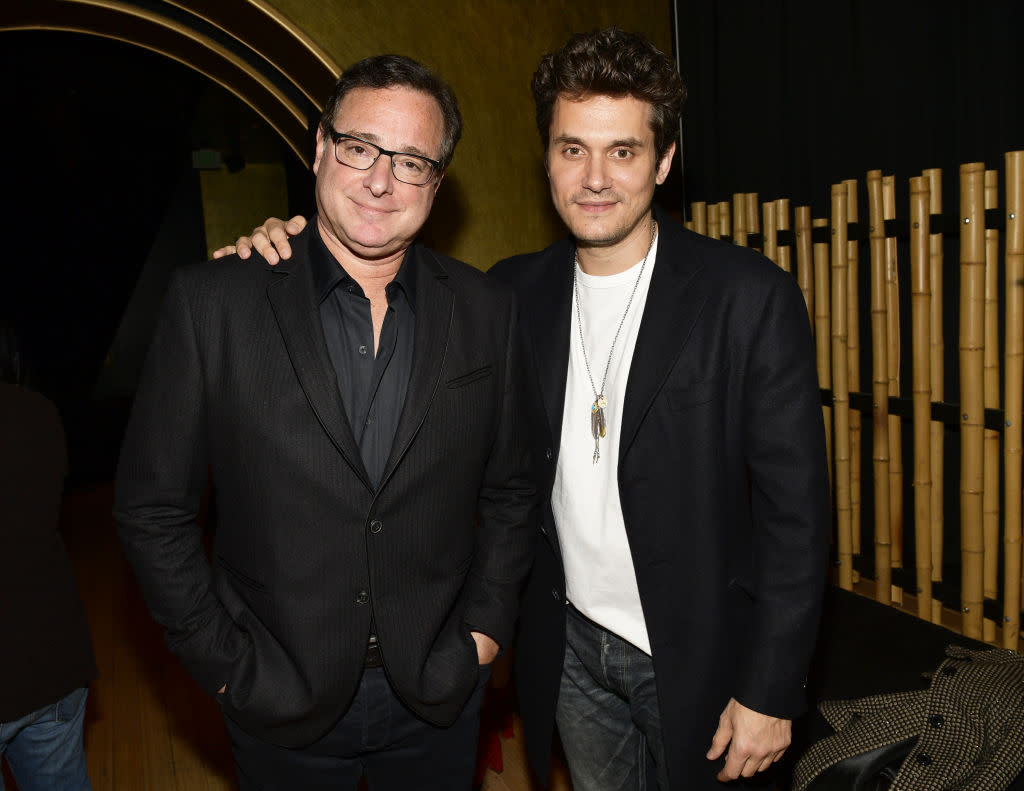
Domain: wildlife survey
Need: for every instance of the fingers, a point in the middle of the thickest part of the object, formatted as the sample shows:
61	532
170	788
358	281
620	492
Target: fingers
227	249
295	225
720	740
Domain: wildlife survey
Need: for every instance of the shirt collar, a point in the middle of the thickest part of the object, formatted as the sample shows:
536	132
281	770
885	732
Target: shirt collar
328	274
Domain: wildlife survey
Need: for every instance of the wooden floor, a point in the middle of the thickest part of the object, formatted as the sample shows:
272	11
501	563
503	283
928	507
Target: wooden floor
148	726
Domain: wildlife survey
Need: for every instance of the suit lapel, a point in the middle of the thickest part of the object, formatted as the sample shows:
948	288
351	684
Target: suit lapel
435	310
298	317
674	302
549	327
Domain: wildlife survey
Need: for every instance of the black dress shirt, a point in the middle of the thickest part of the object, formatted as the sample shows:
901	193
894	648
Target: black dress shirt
372	387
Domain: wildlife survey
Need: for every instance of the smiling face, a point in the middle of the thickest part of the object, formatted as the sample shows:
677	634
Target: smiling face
603	167
369	214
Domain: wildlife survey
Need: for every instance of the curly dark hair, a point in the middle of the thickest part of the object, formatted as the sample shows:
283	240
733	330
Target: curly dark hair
612	62
389	71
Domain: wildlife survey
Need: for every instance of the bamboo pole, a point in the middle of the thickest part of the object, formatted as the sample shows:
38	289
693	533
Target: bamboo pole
714	230
880	389
724	219
753	215
938	372
823	333
895	425
921	316
840	387
739	219
1013	399
990	474
785	260
853	358
699	213
771	243
804	259
972	403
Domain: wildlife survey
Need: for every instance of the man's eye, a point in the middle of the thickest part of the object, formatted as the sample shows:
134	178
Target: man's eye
412	165
573	151
622	153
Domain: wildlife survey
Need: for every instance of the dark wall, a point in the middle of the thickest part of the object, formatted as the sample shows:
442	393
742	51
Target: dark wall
790	96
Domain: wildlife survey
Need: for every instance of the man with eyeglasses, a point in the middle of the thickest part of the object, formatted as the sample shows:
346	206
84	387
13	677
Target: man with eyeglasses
355	409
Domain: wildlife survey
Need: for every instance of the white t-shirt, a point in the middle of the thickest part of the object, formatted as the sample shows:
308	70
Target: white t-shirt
599	576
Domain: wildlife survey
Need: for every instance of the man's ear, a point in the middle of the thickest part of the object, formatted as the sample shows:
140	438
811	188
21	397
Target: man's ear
320	147
665	164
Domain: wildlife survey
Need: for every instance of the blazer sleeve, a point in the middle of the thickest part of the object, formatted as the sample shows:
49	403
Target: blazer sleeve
784	444
507	511
161	476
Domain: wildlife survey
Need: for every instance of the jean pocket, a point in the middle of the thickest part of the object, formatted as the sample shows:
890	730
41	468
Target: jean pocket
70	706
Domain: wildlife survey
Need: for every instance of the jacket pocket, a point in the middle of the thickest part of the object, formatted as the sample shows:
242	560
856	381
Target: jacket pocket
241	576
472	376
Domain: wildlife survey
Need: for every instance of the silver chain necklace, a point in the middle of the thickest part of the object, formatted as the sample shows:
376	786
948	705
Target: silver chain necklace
598	426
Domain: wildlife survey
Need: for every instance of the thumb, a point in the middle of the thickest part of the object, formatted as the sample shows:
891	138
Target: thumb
721	739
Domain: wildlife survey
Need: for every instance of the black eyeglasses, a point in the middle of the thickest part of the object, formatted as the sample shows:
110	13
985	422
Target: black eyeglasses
361	154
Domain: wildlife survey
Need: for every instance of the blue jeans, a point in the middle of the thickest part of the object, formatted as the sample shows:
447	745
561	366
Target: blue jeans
44	749
377	737
607	713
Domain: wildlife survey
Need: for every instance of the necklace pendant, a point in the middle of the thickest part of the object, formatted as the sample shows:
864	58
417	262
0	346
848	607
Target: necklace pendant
602	402
597	452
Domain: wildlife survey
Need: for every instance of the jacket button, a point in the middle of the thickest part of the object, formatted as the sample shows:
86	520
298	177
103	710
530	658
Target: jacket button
363	597
543	530
555	595
924	759
376	526
548	454
936	720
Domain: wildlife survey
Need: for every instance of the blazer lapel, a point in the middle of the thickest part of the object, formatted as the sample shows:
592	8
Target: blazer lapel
549	329
435	309
674	302
298	317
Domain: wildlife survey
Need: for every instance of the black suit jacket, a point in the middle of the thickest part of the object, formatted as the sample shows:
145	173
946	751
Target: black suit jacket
239	383
723	483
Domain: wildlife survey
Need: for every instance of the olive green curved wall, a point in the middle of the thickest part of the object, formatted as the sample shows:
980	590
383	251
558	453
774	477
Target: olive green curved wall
494	201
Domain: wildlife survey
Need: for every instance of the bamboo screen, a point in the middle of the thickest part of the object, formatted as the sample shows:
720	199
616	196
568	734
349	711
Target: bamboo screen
922	411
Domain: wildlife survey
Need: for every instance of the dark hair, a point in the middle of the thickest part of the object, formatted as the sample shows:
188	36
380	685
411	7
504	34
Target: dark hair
10	355
389	71
612	63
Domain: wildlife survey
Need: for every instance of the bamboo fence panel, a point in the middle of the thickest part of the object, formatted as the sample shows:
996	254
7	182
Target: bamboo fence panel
840	387
1013	399
753	216
972	341
880	388
853	363
699	213
823	333
785	260
739	219
714	231
771	244
921	317
724	220
895	425
938	372
990	469
805	259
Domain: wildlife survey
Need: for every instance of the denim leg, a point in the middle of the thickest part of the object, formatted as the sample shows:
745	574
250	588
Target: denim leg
45	750
607	712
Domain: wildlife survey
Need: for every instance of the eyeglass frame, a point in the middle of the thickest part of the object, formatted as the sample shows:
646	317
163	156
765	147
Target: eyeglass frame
336	136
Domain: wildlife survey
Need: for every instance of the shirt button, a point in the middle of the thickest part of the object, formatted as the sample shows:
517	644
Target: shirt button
555	595
363	597
936	720
924	759
362	351
376	526
548	454
350	289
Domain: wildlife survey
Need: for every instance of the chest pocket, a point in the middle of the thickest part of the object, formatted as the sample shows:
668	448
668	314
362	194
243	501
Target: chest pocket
469	378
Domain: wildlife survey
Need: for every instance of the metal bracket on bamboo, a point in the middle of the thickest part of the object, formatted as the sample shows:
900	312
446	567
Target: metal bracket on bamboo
942	412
